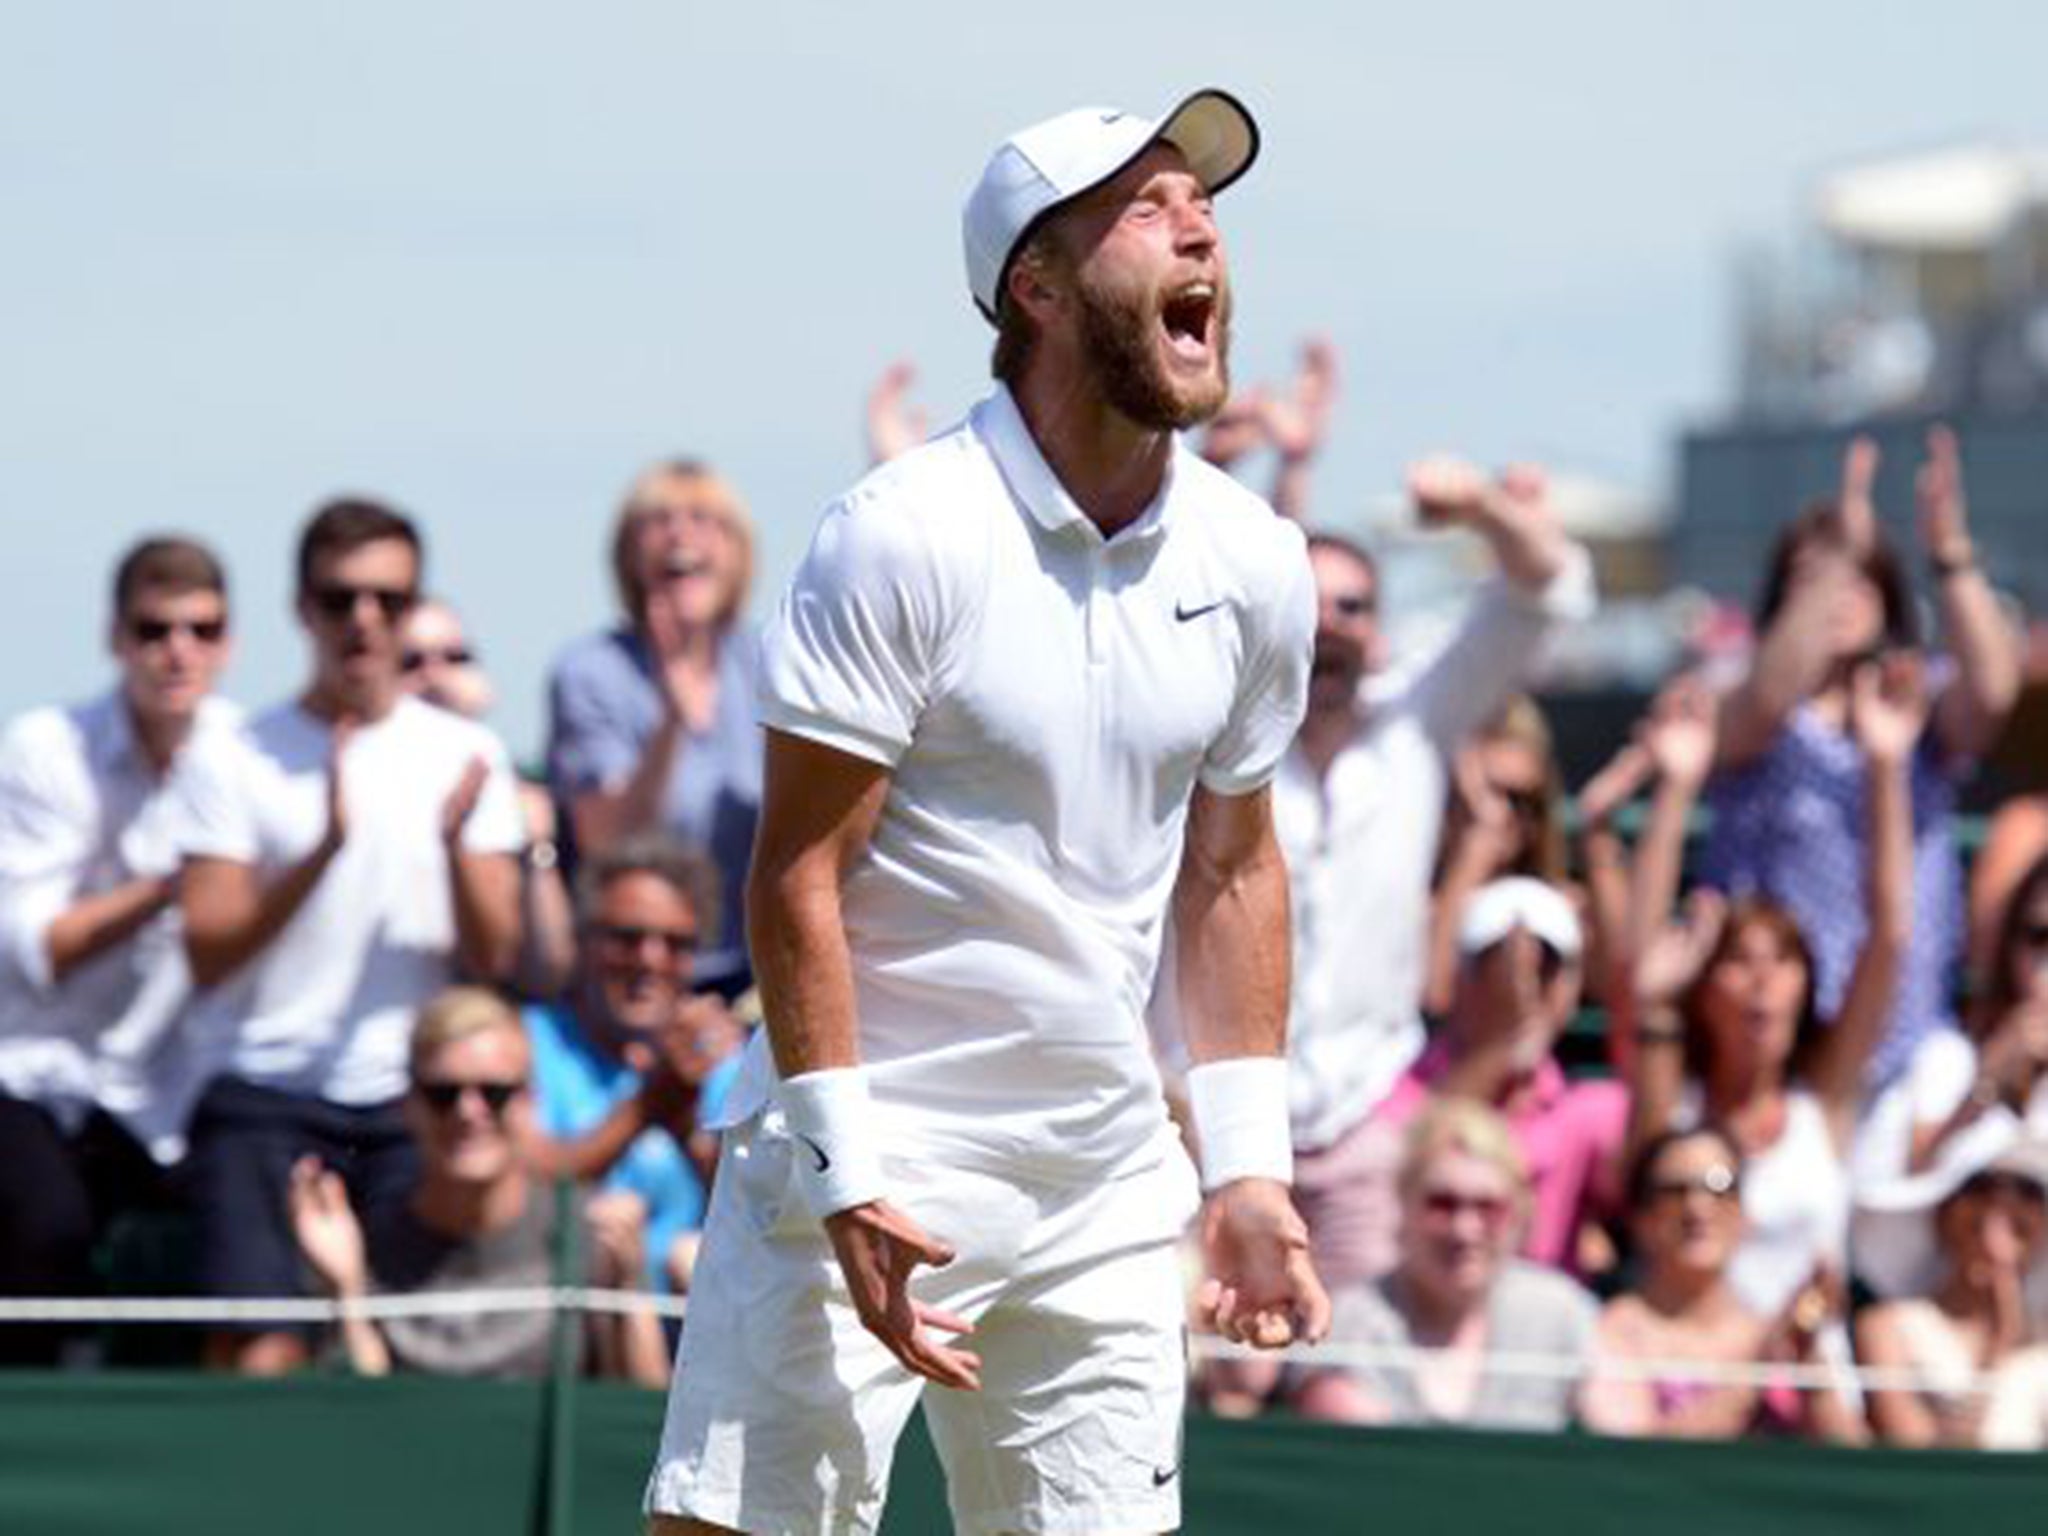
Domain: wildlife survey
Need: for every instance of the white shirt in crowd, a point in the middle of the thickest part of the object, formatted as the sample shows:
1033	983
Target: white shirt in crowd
82	811
1047	700
1361	844
1938	1077
327	1008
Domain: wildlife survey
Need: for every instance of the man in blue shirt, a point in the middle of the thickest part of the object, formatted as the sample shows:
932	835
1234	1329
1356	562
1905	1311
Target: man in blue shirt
628	1065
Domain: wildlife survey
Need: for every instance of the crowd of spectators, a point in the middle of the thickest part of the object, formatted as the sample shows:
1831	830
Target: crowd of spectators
1658	1109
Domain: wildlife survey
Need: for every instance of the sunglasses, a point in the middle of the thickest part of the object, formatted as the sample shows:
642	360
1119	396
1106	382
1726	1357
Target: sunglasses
452	656
1447	1205
679	942
1718	1181
157	631
442	1096
338	600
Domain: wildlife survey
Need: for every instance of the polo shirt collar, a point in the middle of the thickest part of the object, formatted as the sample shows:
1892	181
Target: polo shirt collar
1001	426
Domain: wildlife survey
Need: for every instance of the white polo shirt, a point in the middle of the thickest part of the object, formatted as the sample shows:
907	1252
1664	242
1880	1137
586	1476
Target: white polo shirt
1047	700
326	1009
82	812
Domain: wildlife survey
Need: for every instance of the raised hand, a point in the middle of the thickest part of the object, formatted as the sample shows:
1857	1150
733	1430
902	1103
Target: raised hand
1261	1289
689	689
618	1231
1680	731
878	1245
1236	430
894	425
326	1228
1888	706
1615	784
1677	953
1298	423
1490	833
1944	515
1447	492
1857	504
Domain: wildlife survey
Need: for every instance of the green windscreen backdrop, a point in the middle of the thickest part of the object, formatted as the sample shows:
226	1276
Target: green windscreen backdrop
318	1456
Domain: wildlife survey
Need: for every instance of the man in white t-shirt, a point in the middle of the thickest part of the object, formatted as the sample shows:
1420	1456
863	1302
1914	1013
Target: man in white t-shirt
1024	696
92	978
346	855
1359	804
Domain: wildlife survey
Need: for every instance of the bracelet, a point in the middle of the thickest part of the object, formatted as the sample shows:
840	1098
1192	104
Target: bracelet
1241	1119
831	1116
1665	1036
543	854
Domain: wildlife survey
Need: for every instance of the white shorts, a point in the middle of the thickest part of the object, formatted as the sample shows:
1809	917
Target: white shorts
785	1412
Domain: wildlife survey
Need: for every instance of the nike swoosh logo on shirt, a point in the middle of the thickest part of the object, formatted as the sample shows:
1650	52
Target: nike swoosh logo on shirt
1161	1476
817	1151
1183	612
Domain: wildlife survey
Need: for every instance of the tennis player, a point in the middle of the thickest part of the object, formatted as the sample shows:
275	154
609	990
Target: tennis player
1024	698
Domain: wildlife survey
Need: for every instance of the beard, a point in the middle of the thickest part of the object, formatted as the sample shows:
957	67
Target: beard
1119	340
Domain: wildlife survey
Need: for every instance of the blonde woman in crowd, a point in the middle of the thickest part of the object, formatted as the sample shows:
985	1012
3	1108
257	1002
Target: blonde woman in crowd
651	723
1459	1292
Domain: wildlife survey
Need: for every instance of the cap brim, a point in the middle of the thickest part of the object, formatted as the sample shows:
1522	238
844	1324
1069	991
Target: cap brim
1215	134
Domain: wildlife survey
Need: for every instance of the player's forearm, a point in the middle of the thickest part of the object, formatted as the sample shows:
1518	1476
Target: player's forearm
483	889
98	922
803	967
1233	948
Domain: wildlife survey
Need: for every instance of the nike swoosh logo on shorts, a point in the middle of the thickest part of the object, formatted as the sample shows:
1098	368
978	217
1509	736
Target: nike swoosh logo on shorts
1161	1476
1183	612
817	1151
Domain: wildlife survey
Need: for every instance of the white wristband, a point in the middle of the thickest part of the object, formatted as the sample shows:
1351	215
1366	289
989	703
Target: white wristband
1241	1119
831	1119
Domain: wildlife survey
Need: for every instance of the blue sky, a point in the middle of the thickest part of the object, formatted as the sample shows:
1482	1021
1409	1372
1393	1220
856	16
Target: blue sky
485	259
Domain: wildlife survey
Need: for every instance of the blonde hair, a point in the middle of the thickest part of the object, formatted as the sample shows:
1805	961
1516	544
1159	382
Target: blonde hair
1467	1126
718	494
456	1014
1521	723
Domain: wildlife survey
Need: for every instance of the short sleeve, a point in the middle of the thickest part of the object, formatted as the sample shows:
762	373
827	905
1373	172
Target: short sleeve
210	812
1272	690
847	660
1940	1075
44	838
597	726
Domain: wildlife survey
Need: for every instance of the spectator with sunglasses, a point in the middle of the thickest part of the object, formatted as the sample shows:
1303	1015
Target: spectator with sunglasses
1685	1218
474	1218
347	855
1787	802
95	1071
1520	958
630	1067
1359	804
1458	1292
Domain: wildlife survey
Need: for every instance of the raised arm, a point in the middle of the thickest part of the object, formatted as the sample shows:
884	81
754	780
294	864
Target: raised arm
1297	424
1233	942
1973	711
1888	710
1793	655
483	888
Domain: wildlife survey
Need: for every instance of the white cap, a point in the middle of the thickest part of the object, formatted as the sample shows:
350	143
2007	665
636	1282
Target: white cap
1498	908
1053	162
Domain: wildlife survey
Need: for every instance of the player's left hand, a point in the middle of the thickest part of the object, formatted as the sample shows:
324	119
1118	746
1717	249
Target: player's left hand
1261	1290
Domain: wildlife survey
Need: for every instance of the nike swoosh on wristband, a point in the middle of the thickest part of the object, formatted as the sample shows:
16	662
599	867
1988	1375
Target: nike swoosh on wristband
1183	612
817	1151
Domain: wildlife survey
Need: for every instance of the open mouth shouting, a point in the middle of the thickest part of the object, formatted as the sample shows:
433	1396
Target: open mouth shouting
1188	320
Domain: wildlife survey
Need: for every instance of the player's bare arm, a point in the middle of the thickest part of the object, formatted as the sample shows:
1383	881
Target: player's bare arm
1230	908
818	810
